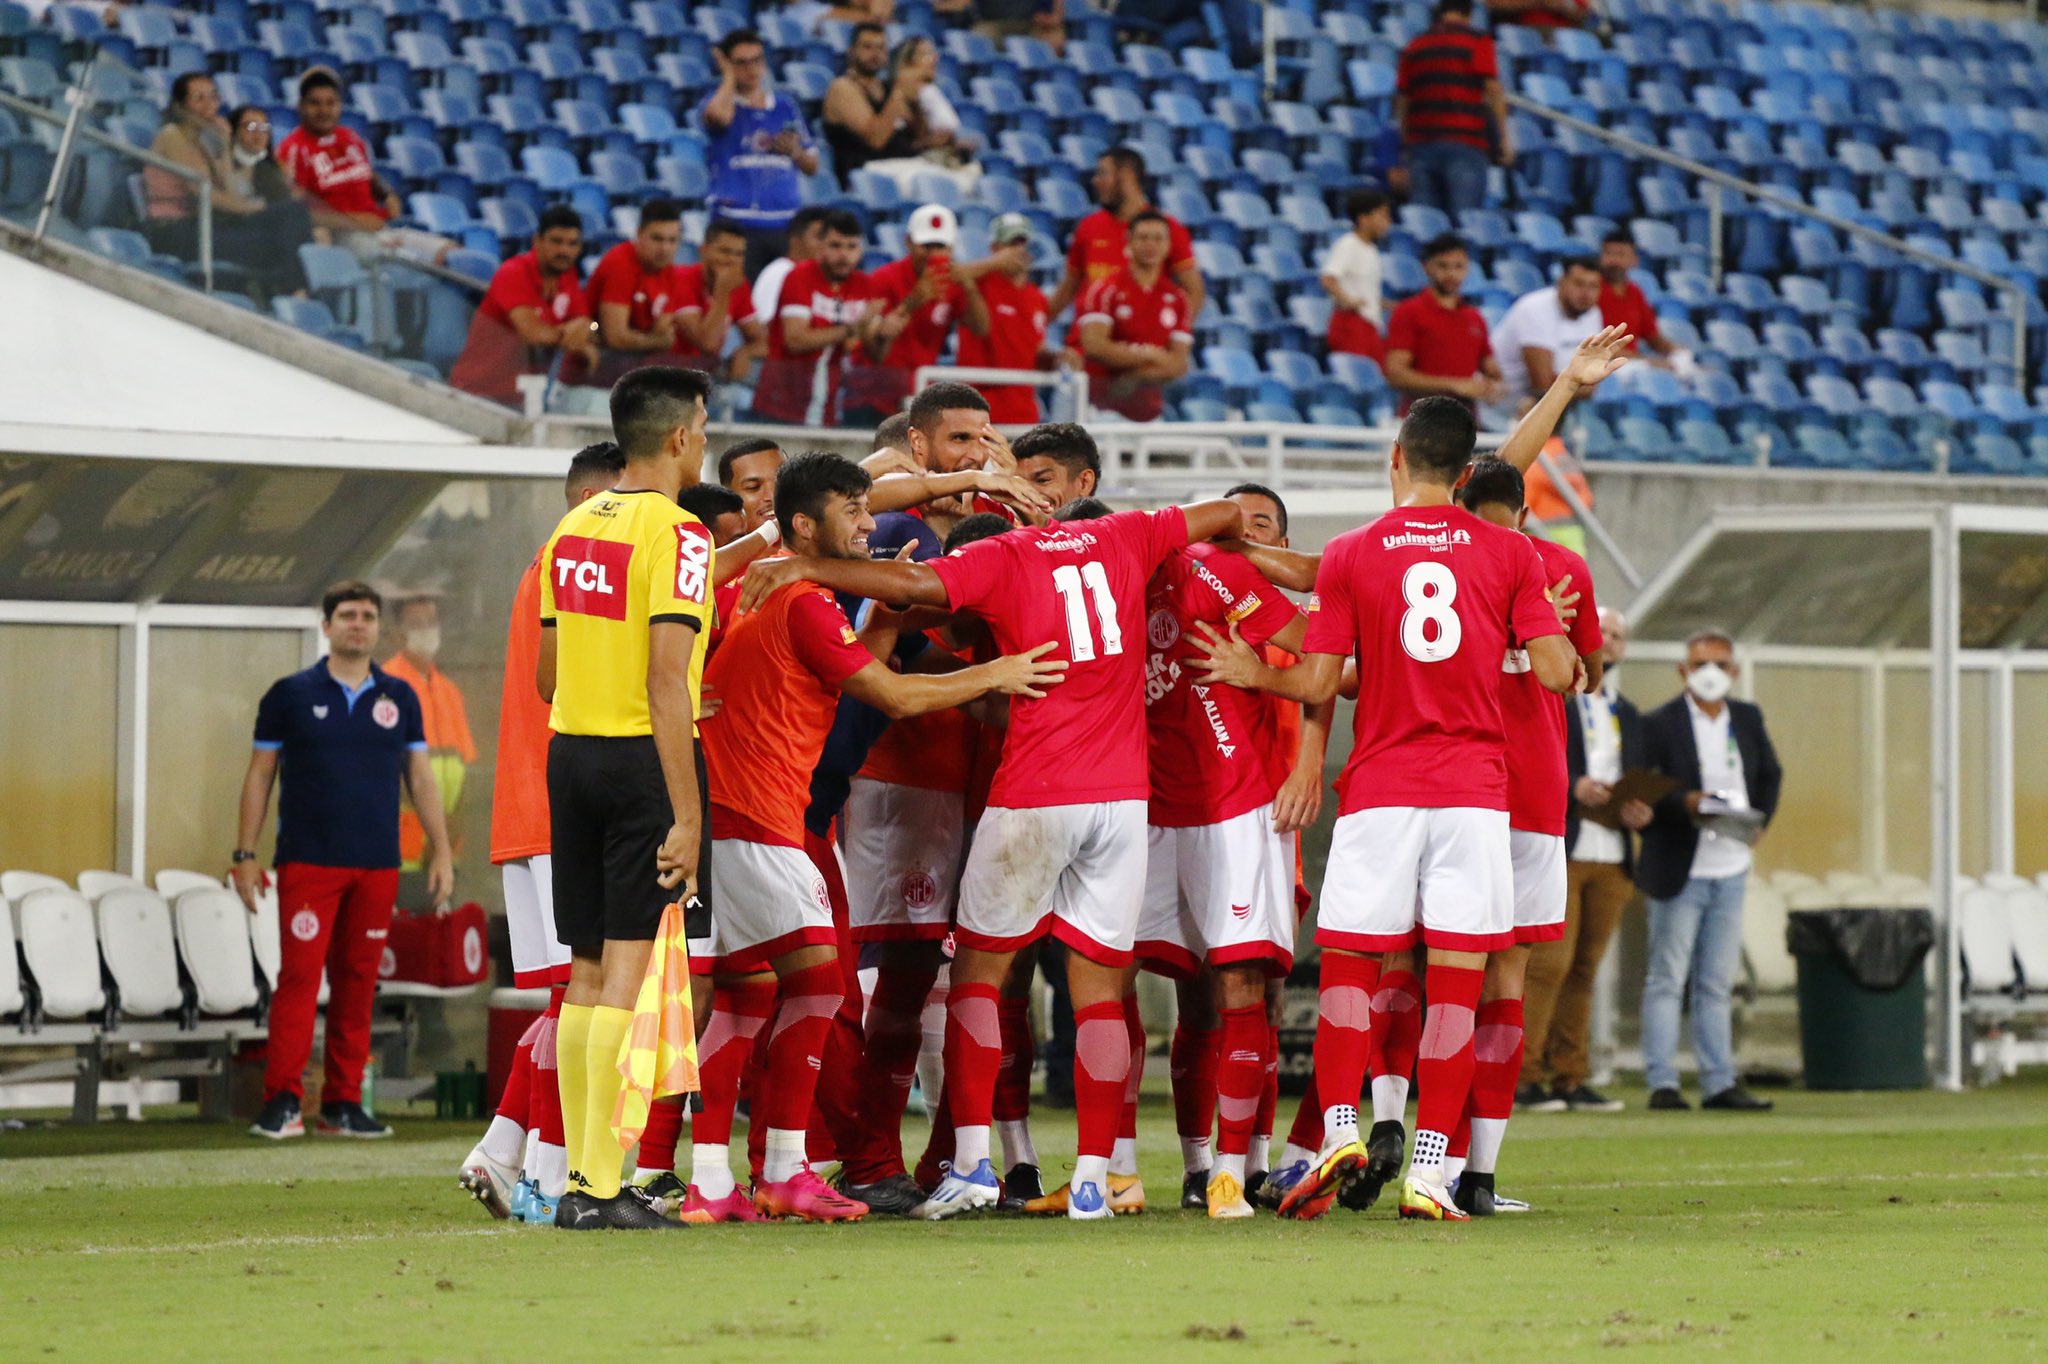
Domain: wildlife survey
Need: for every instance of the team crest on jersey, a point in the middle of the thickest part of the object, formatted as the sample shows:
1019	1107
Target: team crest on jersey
385	713
319	712
919	890
1168	317
1162	628
1123	312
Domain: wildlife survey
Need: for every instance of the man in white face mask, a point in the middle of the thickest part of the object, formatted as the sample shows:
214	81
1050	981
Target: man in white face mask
450	747
1715	748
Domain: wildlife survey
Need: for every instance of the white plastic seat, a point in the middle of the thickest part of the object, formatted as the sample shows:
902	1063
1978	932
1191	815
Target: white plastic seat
1906	892
14	885
60	947
1815	896
93	884
1788	881
212	928
11	997
141	950
1983	916
1852	888
2027	916
171	884
1763	939
2003	881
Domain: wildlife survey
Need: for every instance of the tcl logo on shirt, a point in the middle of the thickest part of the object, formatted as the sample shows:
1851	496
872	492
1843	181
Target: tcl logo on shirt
693	561
590	576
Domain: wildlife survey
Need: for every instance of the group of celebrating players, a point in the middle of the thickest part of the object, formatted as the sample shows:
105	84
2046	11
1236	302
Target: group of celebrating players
896	734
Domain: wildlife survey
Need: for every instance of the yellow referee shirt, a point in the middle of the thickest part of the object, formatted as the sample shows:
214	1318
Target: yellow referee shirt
615	566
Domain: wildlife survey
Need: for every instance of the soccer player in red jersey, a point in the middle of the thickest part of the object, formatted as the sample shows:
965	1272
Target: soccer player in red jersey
1018	316
1060	848
1220	875
1538	791
1100	239
1137	328
1060	459
529	1117
820	316
778	675
534	305
712	298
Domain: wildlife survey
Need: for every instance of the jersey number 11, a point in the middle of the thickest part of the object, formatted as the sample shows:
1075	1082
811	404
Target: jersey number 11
1076	583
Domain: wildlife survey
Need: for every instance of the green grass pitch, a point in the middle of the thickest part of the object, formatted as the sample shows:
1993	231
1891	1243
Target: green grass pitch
1878	1226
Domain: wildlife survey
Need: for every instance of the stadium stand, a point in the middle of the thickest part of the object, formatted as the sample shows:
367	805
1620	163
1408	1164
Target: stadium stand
1928	127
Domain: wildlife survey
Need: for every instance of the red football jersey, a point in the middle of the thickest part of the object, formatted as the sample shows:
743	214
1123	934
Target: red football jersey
1016	334
1158	316
921	342
1082	586
494	357
803	389
691	298
1426	599
618	277
1448	342
1538	784
1097	251
334	169
1213	749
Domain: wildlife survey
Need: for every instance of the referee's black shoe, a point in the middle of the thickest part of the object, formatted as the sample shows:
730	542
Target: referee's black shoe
1194	1189
632	1209
1023	1184
895	1194
578	1211
1385	1145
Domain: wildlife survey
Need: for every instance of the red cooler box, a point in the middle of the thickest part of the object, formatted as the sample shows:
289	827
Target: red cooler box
446	949
512	1013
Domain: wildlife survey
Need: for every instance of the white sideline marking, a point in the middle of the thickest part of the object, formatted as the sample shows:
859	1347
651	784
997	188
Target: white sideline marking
255	1242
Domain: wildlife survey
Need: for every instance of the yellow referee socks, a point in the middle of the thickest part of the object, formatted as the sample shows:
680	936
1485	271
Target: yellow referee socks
572	1039
602	1156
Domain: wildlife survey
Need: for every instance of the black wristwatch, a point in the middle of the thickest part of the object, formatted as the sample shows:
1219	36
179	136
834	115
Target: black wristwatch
242	855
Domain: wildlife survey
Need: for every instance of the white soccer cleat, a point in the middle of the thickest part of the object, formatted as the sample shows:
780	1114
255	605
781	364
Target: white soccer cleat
958	1193
490	1182
1502	1203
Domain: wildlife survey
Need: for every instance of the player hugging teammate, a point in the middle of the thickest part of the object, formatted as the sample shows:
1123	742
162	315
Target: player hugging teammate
1134	725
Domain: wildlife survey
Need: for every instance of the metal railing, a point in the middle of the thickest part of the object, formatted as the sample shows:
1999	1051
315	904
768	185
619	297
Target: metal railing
72	128
1718	183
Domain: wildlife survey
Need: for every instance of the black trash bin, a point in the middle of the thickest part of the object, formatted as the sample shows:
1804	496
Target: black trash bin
1862	996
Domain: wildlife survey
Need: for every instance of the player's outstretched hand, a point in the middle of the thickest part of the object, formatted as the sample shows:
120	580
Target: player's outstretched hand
1298	801
995	450
764	577
1565	598
1598	356
1027	674
1227	660
886	462
675	863
1012	491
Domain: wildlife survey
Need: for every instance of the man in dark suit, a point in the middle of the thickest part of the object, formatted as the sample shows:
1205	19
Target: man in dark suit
1603	739
1713	747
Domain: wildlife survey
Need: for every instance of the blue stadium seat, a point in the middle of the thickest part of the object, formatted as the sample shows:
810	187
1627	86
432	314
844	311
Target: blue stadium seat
1064	199
1297	370
1359	373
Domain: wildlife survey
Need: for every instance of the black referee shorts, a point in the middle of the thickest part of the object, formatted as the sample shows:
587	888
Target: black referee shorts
608	812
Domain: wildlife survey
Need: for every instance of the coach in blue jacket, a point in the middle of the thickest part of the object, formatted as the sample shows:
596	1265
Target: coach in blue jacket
1711	746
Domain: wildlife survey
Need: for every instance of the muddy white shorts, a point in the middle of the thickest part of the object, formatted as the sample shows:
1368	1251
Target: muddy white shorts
1075	871
902	848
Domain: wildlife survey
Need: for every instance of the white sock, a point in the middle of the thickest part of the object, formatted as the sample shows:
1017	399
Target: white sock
1290	1154
785	1154
1340	1124
1487	1135
1123	1157
970	1148
1261	1151
504	1140
1428	1162
643	1173
527	1156
1389	1098
1092	1170
1232	1165
1194	1155
550	1169
1017	1147
711	1169
1453	1167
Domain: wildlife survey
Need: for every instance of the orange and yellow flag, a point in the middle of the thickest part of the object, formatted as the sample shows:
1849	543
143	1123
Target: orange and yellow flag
659	1055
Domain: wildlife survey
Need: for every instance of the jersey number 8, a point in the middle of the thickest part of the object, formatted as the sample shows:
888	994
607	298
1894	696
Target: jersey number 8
1429	589
1076	583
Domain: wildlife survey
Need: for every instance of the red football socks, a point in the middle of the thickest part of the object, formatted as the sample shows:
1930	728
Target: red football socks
1192	1065
1444	1067
738	1014
1343	1019
1102	1064
796	1046
1240	1076
974	1053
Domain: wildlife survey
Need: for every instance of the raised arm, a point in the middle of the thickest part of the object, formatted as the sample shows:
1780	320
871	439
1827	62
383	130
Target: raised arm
1216	519
897	491
882	580
1598	356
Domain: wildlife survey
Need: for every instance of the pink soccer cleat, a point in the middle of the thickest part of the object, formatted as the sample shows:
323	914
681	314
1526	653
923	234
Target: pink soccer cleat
808	1198
697	1210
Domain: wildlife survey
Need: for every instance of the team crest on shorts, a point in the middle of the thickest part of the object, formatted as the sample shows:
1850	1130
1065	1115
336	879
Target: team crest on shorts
819	894
305	925
919	890
1162	628
385	713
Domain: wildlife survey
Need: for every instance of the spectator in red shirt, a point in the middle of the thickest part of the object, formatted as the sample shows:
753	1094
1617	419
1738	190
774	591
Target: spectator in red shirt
1097	251
1622	302
346	197
1447	86
821	315
637	292
534	307
1017	317
1542	13
915	303
1137	327
715	298
1436	342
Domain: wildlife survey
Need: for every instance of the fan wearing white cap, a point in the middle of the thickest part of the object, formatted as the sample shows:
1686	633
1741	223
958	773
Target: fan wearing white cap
1017	321
916	302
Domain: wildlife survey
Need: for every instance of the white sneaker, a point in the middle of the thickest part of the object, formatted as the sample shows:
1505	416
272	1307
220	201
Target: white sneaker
958	1193
490	1182
1502	1203
1085	1203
